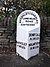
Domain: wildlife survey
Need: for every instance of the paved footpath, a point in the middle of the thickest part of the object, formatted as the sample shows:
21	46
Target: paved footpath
41	60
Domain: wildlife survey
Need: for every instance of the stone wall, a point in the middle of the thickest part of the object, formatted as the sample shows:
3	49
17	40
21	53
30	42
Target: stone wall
7	37
45	34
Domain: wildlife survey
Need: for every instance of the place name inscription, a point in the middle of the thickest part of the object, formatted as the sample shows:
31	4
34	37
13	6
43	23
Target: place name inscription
32	37
22	45
26	20
34	47
36	43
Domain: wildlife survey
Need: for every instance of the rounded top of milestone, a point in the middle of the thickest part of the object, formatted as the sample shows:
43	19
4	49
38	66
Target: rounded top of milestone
28	18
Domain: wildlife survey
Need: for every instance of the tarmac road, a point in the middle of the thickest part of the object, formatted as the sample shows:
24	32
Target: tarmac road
41	60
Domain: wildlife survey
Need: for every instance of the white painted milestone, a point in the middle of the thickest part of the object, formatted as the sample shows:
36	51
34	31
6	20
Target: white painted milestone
28	34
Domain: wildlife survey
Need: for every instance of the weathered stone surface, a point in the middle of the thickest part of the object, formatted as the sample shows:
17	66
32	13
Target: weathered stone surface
48	35
43	44
48	44
0	34
47	39
0	23
12	41
0	46
8	31
10	37
4	40
12	45
3	37
7	34
1	50
2	29
48	30
7	43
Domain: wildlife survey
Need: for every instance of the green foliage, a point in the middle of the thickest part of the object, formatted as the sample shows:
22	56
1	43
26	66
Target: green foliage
14	21
47	7
42	7
1	14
